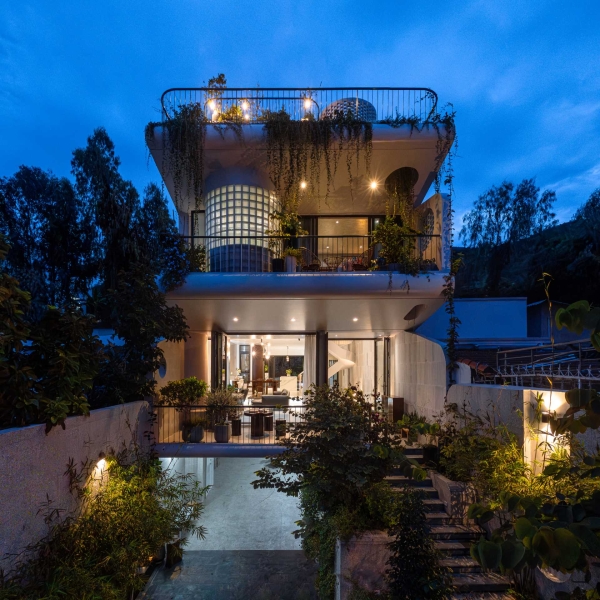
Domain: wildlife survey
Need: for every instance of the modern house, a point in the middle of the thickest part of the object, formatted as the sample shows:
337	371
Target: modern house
338	161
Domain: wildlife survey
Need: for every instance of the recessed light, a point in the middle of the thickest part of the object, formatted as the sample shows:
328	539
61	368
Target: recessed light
373	185
355	319
235	319
292	319
337	221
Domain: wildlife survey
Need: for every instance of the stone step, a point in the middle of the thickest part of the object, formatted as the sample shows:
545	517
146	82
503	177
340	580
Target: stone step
434	505
480	582
455	533
461	564
437	518
401	481
428	492
453	548
484	596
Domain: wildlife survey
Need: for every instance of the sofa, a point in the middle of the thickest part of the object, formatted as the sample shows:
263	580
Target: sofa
281	398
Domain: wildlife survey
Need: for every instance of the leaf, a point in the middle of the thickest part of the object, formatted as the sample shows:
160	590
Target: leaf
491	555
568	548
524	528
512	553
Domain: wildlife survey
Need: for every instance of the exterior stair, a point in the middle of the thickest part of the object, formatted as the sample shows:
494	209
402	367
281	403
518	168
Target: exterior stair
453	541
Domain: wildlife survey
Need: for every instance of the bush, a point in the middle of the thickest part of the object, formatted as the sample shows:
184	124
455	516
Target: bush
128	511
183	392
414	571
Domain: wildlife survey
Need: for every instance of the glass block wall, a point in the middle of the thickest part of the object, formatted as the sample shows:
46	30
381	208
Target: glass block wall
238	215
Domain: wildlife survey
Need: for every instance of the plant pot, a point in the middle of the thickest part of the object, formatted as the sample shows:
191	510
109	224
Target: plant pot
196	434
431	454
236	427
222	433
159	555
290	264
278	265
174	553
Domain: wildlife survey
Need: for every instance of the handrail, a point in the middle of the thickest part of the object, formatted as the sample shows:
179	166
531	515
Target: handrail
387	102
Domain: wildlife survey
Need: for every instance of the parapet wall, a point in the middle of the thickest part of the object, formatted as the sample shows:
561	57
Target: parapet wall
33	466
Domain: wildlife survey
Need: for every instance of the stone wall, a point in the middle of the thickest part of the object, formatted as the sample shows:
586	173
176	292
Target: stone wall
33	465
418	373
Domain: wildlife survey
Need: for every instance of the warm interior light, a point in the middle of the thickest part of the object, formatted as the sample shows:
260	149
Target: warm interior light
292	319
247	117
355	319
269	337
303	185
252	337
245	105
212	105
235	319
337	222
373	185
307	103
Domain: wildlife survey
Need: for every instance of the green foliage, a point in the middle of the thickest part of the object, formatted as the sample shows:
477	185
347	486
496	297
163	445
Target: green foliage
396	244
127	512
46	368
183	392
453	321
197	258
219	406
579	316
414	570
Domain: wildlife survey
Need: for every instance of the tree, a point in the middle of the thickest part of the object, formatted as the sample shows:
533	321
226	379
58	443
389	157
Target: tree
589	215
502	216
43	220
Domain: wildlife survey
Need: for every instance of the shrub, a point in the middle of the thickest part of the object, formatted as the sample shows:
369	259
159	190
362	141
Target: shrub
183	392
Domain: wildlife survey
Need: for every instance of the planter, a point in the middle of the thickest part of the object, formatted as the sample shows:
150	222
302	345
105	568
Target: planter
222	433
291	263
280	428
196	434
236	427
159	556
431	454
278	265
174	553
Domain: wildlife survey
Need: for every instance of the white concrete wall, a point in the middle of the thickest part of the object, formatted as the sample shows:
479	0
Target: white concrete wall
173	370
495	318
33	465
362	373
418	373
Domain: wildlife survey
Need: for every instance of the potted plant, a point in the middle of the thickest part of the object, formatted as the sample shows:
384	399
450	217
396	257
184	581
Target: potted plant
431	450
193	430
287	226
236	422
293	257
394	241
182	392
288	372
218	407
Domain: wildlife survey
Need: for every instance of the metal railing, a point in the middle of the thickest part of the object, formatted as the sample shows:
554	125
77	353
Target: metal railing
256	424
253	104
565	365
347	253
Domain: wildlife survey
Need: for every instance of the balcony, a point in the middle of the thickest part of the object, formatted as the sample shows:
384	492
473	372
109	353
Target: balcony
314	254
251	105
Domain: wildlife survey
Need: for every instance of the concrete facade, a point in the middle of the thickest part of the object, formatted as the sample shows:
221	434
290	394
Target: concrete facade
418	373
33	467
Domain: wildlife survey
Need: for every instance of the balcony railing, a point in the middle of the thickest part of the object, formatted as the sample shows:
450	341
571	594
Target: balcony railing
338	254
263	424
561	366
251	105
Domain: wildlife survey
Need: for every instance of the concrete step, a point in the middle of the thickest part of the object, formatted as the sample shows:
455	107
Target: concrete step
401	481
461	564
428	492
437	518
453	548
434	505
480	582
484	596
455	533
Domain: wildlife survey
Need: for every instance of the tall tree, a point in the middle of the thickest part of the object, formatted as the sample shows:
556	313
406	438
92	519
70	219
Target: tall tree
502	216
589	215
43	220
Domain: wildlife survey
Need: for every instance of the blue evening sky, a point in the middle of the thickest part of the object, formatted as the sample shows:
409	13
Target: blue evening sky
523	75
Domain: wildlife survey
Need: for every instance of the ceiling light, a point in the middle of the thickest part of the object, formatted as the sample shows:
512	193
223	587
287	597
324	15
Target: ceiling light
373	185
337	222
252	337
303	185
235	319
269	336
307	103
355	319
292	319
360	246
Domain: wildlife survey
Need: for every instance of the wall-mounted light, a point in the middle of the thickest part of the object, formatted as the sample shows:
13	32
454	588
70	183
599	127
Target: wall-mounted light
373	185
212	105
245	105
303	185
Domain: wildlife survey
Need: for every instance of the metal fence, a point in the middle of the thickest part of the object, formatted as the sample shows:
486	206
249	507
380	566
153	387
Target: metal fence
565	365
255	254
253	104
257	424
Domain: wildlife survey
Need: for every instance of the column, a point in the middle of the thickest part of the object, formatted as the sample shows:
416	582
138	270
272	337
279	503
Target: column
322	357
195	363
